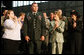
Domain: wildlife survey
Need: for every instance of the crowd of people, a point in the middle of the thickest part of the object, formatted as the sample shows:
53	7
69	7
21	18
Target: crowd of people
37	33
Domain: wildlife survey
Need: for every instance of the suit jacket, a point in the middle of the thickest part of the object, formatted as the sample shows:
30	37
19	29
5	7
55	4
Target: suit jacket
57	35
34	26
47	27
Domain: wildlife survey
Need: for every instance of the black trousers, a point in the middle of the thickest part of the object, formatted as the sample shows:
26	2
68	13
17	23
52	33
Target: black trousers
10	46
35	47
76	43
76	47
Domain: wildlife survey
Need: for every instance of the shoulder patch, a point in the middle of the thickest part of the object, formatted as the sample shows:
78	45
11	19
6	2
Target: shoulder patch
39	17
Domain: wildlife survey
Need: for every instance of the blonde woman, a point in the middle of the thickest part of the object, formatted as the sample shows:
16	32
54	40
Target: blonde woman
57	29
11	36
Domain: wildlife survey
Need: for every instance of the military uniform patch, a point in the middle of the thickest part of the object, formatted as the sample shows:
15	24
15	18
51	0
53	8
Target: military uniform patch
39	17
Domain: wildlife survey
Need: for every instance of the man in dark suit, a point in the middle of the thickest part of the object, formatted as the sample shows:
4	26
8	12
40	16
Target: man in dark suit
34	29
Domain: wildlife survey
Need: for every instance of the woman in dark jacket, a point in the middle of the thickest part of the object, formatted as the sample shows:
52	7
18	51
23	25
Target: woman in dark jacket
75	33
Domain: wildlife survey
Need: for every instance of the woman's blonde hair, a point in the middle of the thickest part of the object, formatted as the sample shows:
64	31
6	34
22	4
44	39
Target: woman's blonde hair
8	12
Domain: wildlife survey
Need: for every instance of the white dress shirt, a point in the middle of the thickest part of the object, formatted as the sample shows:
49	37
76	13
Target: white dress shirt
12	31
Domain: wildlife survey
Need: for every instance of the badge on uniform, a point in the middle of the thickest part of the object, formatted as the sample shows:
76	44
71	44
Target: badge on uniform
29	18
39	17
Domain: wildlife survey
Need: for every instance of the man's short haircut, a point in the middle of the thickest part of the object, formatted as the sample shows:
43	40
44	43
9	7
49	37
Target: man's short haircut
34	3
